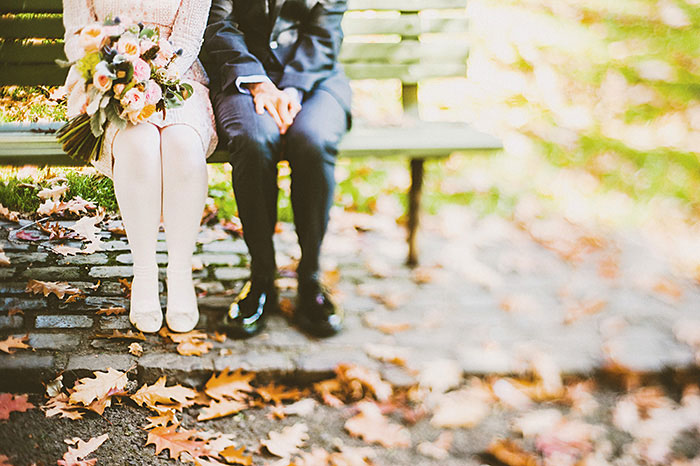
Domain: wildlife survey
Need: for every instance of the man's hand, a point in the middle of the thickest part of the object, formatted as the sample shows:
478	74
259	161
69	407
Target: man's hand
279	104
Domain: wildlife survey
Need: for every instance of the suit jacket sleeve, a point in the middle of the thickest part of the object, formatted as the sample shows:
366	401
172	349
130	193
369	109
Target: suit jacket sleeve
317	48
225	47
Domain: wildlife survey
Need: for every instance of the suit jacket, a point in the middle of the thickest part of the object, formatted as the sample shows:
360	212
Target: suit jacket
294	42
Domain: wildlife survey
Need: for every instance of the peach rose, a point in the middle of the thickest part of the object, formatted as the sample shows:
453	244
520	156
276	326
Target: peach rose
142	70
129	47
118	89
92	37
166	49
142	115
103	77
133	100
153	92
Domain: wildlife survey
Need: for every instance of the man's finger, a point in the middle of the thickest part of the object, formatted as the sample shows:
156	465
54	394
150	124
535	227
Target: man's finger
259	104
283	109
294	109
275	116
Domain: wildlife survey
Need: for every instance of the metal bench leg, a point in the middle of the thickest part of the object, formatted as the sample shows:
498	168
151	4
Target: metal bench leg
414	196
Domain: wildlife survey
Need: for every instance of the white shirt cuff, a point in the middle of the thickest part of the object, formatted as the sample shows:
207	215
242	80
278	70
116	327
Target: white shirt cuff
255	78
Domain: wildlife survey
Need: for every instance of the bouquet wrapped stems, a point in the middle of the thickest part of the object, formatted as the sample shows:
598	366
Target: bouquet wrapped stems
78	141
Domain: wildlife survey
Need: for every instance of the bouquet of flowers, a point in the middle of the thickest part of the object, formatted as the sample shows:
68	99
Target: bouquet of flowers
125	75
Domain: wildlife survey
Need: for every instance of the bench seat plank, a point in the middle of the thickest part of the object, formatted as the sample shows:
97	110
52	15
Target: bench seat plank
22	144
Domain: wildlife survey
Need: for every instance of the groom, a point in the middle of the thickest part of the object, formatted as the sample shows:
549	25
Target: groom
279	93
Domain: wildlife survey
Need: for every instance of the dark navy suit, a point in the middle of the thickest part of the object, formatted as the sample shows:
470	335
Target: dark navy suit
296	44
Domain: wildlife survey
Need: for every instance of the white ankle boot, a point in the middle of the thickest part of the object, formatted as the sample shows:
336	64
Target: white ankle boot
182	313
145	313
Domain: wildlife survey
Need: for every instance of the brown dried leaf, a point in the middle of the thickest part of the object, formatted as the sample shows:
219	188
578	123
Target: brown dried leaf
194	347
11	343
234	455
286	443
6	214
78	205
439	449
372	427
4	260
136	349
76	456
119	335
65	250
60	406
389	327
104	385
176	396
387	353
4	461
462	408
510	453
168	438
54	193
163	420
219	409
369	379
111	311
60	289
229	385
10	403
278	393
15	312
50	207
126	286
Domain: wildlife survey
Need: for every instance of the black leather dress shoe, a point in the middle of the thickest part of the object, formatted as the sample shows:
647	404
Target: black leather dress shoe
316	313
247	314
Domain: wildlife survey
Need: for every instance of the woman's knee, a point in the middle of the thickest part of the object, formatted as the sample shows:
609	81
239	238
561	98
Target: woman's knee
182	152
137	148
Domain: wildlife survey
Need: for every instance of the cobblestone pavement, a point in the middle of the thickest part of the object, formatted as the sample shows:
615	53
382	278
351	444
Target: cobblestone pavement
490	296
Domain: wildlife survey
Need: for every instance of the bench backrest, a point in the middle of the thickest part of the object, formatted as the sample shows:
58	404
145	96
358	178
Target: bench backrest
385	39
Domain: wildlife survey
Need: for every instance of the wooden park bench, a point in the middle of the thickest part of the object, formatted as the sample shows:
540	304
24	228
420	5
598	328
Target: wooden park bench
383	41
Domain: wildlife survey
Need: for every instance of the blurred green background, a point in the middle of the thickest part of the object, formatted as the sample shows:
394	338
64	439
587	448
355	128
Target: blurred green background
597	103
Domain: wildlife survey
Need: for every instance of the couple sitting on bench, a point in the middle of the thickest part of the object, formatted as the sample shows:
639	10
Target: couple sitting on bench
277	92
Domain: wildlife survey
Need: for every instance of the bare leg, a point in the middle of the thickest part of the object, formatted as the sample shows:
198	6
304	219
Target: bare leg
184	197
137	185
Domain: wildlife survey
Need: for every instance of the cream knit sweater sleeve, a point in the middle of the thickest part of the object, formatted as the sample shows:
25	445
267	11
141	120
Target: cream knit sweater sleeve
76	15
188	31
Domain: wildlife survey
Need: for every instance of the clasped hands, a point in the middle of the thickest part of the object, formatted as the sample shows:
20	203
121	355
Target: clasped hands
282	106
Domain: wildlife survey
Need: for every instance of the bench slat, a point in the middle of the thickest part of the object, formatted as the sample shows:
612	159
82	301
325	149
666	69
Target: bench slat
21	54
49	27
20	146
406	5
31	6
405	25
32	75
55	6
408	74
404	52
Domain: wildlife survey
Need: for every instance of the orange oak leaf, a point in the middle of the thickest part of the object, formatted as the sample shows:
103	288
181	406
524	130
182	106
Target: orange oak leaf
54	193
168	438
369	379
4	260
372	427
221	409
229	385
4	461
119	335
6	214
60	289
60	406
163	420
278	393
234	455
194	347
136	349
176	396
12	343
111	311
508	452
75	456
10	403
286	443
88	390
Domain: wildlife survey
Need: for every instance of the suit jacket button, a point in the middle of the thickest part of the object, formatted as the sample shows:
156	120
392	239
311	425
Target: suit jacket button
273	44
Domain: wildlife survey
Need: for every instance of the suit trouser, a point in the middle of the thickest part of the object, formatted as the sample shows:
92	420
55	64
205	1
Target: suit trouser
255	146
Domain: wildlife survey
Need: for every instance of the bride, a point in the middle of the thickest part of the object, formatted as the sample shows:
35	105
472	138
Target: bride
158	166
